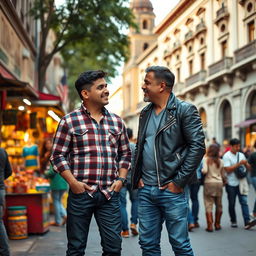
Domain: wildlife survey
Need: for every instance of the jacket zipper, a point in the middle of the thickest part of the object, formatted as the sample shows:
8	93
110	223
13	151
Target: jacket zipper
178	156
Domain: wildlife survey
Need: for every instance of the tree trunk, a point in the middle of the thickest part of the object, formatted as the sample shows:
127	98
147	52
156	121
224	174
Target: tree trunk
41	76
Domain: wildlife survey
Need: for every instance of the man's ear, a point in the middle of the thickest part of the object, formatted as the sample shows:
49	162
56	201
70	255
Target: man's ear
162	86
85	94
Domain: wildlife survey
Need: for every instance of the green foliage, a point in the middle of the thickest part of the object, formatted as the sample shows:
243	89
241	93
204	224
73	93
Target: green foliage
91	34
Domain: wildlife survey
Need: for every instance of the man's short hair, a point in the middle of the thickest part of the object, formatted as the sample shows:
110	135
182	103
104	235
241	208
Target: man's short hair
234	142
129	133
86	79
163	74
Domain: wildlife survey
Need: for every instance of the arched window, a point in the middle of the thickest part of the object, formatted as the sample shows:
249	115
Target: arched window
145	46
253	106
145	24
227	121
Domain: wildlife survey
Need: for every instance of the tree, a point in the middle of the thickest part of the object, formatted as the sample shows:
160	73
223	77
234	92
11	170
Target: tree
93	29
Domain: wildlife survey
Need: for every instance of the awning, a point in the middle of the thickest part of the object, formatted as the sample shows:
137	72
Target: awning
46	96
17	88
246	123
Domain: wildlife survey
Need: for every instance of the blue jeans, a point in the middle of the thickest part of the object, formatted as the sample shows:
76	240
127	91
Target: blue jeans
155	207
232	192
193	190
59	210
133	194
107	213
253	180
4	247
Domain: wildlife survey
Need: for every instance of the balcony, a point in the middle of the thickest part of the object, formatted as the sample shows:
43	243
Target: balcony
221	14
167	53
221	65
200	28
198	77
188	36
176	46
245	52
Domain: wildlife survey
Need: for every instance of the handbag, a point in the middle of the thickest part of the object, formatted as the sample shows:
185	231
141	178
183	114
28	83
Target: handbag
240	171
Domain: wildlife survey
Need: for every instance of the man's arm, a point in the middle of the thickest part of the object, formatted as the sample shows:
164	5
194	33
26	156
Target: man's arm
193	134
231	168
8	168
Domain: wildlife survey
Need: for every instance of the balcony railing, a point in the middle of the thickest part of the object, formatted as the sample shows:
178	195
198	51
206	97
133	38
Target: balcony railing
246	51
188	36
200	27
222	13
178	87
176	46
198	77
223	64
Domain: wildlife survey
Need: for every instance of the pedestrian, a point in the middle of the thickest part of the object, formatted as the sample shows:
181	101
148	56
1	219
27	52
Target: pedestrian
45	154
252	162
5	172
170	147
193	192
58	188
133	195
91	152
235	186
213	170
214	141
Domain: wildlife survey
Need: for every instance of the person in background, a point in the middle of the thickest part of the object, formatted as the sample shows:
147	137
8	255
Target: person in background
31	156
45	154
193	191
252	162
133	195
58	188
214	141
247	150
5	172
236	187
213	186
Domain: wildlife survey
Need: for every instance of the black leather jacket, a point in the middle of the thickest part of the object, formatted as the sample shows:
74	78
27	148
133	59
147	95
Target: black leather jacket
179	143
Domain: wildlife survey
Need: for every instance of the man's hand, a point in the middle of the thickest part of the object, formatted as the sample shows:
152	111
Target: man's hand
173	188
79	187
116	186
243	162
140	184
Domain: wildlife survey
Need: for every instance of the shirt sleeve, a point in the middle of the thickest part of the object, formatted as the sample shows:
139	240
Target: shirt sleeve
61	148
226	161
124	151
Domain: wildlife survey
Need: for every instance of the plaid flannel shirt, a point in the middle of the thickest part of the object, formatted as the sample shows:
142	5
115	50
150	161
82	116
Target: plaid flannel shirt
92	152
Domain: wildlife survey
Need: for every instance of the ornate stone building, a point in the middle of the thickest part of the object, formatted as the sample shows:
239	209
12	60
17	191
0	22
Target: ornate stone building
211	48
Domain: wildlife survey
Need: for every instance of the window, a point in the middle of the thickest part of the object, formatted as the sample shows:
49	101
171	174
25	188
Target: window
251	31
145	24
178	74
253	106
145	46
227	121
224	49
190	67
202	60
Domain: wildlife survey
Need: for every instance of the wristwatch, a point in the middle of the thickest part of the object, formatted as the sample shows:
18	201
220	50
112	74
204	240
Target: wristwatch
124	180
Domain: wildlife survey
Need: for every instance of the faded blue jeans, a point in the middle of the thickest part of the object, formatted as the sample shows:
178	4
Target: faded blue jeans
155	207
4	247
59	210
133	195
253	180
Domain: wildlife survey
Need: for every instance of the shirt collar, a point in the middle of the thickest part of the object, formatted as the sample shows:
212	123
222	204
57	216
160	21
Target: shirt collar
83	108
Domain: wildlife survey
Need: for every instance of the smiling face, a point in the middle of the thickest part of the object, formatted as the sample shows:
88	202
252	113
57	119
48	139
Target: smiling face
97	94
151	87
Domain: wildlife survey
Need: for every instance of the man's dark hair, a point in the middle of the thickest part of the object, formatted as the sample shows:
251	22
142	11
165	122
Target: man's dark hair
86	79
163	74
234	142
129	133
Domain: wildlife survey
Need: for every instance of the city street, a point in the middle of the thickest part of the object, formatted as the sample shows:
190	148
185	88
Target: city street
227	242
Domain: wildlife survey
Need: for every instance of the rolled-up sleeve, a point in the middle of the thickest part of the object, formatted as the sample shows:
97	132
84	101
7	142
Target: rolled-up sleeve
61	148
124	151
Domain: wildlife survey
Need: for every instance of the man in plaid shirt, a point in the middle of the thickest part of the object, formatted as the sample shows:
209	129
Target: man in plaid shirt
91	151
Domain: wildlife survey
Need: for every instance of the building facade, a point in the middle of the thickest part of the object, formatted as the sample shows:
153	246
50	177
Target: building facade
210	46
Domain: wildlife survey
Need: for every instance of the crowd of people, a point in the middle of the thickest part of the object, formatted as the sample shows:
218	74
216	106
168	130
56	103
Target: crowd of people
217	171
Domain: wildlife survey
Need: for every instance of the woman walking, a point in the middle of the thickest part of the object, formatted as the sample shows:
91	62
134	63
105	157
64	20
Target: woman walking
213	184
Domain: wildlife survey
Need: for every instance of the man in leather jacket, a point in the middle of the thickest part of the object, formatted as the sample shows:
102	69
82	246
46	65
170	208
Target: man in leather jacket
169	149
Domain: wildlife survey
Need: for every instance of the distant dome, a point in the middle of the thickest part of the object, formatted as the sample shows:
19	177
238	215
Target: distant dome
142	4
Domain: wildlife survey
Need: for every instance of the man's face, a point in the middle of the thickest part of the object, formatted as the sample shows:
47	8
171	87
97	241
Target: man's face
150	87
98	93
235	148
